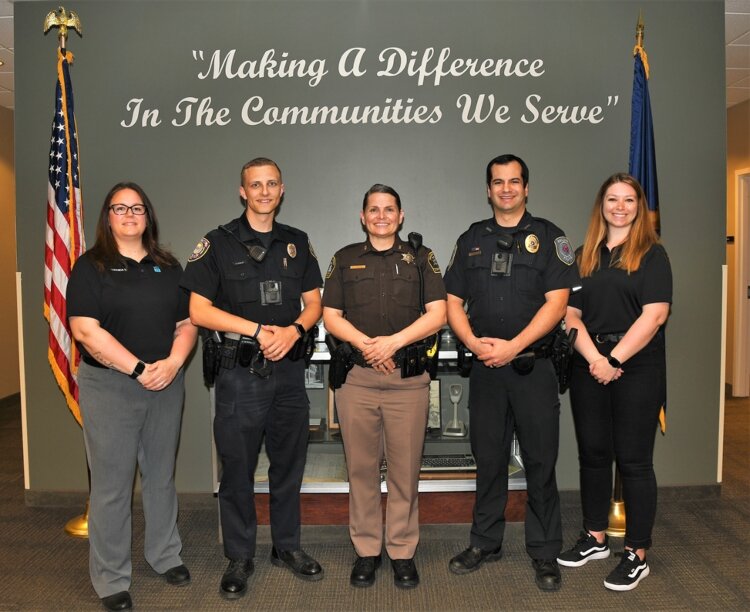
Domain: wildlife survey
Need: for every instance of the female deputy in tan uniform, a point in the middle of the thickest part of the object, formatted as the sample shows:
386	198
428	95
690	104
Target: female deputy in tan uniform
372	300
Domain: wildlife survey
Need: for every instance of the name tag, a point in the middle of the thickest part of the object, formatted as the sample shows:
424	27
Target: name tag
360	267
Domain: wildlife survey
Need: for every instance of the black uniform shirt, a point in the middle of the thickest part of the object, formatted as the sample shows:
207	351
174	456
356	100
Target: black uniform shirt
138	303
222	270
379	290
611	299
502	306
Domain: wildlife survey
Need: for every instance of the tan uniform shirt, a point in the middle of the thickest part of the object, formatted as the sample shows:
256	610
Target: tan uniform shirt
378	291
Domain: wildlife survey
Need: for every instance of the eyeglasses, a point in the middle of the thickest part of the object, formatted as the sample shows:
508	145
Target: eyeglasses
121	209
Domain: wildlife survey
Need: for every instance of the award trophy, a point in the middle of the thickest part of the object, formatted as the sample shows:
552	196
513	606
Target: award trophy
455	428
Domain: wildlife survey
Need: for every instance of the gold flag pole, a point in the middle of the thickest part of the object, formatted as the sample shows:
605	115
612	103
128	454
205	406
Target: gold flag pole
616	518
63	20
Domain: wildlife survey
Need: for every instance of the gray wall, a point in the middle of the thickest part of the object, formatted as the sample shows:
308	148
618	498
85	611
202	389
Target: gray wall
145	50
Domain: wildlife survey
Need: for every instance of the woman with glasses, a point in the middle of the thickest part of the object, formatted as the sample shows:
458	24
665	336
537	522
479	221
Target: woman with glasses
130	320
618	385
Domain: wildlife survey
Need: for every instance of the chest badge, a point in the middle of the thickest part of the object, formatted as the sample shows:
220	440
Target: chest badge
407	257
291	248
532	243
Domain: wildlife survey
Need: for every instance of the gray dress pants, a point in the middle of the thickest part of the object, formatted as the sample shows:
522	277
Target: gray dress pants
124	425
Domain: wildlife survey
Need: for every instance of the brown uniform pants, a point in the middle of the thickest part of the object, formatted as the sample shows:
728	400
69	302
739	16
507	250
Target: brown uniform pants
380	413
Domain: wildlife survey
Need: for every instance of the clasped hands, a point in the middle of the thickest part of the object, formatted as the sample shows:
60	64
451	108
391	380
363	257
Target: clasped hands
379	352
159	375
494	352
603	371
276	341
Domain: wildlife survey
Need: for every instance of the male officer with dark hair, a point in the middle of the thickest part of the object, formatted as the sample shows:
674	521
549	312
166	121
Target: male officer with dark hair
246	280
514	272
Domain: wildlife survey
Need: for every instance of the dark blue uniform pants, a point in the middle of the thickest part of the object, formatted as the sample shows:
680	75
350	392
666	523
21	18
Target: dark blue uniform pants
618	421
247	408
500	400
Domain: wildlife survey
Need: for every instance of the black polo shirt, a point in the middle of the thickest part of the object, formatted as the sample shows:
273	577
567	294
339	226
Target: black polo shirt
611	299
502	306
222	270
139	303
379	290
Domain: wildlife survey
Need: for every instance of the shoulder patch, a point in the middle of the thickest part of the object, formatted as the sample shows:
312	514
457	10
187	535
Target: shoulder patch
312	252
432	260
564	251
331	267
200	249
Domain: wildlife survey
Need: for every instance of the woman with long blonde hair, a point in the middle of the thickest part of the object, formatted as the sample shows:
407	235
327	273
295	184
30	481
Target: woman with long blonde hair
618	385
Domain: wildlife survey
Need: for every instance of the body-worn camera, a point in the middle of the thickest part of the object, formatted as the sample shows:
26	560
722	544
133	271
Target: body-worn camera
502	260
501	264
270	293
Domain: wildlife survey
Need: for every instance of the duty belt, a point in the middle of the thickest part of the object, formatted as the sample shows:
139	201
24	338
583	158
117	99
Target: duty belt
602	338
359	358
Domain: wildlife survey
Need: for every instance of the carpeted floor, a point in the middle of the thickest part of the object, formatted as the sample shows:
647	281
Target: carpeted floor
701	561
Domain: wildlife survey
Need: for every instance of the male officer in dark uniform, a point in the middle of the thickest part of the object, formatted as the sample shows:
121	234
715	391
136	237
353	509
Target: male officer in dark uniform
514	272
246	279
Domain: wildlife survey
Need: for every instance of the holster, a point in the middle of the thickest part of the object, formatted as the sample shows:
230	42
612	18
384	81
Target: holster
211	341
342	360
561	354
464	360
304	347
433	348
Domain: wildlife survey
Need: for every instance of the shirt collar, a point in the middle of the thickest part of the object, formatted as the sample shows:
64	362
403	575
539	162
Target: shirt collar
524	225
399	246
248	234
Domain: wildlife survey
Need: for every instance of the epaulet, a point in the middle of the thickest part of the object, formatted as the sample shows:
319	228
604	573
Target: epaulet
478	226
292	230
351	247
551	227
232	226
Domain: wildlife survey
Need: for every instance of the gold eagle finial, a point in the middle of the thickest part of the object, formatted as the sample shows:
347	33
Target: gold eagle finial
62	19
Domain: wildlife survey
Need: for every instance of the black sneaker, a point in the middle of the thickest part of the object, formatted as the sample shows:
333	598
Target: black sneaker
627	575
585	549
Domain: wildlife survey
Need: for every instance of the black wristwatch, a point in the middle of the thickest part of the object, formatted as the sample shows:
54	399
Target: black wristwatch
613	361
300	329
137	370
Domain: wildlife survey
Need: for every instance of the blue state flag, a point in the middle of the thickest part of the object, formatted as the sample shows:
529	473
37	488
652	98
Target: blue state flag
642	162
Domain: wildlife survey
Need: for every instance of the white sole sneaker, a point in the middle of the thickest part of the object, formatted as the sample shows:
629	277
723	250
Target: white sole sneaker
631	585
602	554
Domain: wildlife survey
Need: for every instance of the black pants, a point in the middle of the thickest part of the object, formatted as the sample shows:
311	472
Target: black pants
618	421
500	400
248	407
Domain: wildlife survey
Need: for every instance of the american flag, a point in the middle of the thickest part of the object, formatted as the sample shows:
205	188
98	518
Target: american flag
64	237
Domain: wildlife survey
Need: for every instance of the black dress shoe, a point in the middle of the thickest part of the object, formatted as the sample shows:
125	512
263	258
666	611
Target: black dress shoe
363	572
234	580
302	565
177	576
547	574
472	558
405	575
118	601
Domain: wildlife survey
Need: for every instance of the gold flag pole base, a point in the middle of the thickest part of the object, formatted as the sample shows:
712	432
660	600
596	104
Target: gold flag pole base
78	527
616	519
